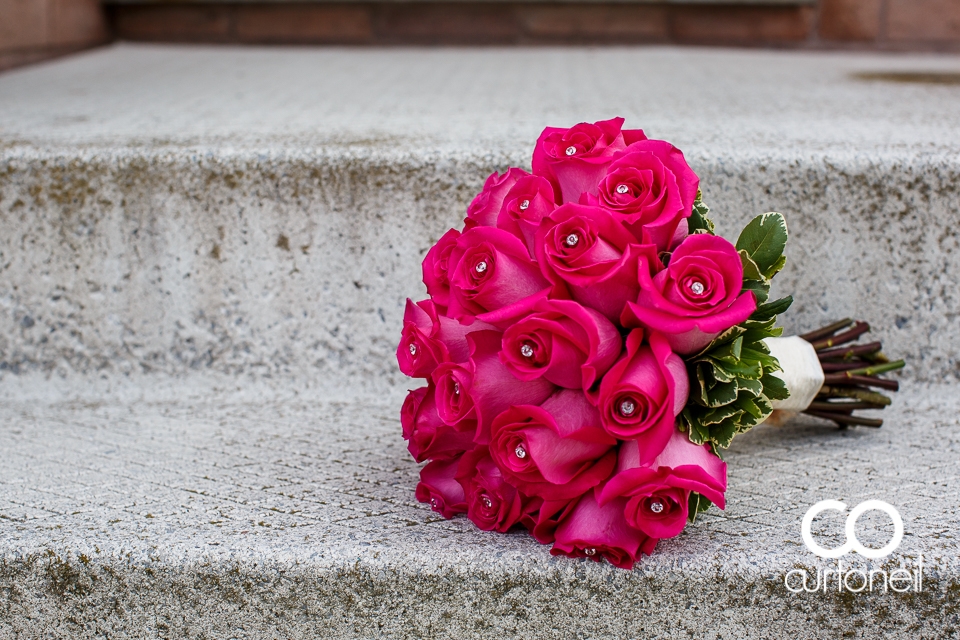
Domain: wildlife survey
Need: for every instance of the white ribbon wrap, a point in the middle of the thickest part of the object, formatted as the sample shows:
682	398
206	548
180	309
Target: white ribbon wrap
802	372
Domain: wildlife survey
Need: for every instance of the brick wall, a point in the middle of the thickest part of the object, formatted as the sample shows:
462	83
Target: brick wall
32	30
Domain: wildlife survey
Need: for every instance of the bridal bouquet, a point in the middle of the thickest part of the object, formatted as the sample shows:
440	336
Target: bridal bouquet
590	347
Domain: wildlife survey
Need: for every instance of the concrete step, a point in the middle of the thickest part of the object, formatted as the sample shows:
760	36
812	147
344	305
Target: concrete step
204	254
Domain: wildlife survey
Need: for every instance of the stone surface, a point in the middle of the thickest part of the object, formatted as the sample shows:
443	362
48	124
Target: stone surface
204	255
223	509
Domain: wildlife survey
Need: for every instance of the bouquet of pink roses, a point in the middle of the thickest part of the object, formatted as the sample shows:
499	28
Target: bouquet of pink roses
590	347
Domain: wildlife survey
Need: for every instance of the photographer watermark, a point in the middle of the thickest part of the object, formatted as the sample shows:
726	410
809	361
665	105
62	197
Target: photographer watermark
854	580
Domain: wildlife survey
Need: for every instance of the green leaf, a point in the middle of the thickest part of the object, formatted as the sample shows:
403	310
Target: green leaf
760	288
764	240
750	269
696	504
770	310
774	388
698	222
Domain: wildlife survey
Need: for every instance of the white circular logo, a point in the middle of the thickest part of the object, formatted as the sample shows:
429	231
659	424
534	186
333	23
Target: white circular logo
852	544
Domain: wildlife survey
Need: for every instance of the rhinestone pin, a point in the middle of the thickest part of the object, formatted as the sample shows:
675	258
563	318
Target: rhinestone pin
526	351
622	188
590	552
571	150
487	502
520	452
656	507
413	349
456	388
481	267
627	407
524	205
572	240
434	503
697	287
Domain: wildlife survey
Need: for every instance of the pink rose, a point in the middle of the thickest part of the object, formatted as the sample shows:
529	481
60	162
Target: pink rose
651	189
556	451
529	201
643	393
493	271
584	250
658	494
567	344
575	159
429	339
427	434
483	388
483	210
697	297
595	532
435	269
492	503
439	488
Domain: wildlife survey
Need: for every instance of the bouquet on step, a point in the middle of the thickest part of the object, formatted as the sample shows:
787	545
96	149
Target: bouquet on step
590	347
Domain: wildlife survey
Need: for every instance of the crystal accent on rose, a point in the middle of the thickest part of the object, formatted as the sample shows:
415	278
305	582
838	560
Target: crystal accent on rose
590	552
524	205
456	388
434	503
526	351
487	502
520	452
656	507
627	407
571	151
572	240
481	267
413	349
697	287
622	188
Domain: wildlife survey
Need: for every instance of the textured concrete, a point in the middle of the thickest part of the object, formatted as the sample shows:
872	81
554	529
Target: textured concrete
203	259
196	511
264	212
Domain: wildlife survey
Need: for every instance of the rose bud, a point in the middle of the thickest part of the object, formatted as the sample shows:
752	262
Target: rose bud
643	393
658	494
429	339
565	343
584	250
697	297
530	199
486	206
493	271
427	434
556	451
492	503
455	405
651	189
483	388
435	269
575	159
440	489
595	532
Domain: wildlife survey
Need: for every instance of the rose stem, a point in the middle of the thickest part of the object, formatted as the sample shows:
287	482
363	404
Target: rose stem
849	352
833	367
843	406
854	392
828	330
844	420
858	330
866	381
876	369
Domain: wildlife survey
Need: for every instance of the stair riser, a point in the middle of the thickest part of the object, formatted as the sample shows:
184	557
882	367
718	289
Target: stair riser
299	265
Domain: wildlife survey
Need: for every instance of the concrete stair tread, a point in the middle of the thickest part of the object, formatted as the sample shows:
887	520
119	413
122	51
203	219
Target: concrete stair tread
146	487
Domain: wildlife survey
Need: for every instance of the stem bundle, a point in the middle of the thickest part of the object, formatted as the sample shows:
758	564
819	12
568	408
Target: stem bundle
852	372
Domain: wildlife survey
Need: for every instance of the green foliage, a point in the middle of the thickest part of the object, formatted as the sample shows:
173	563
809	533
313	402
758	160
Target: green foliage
698	222
731	381
696	504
